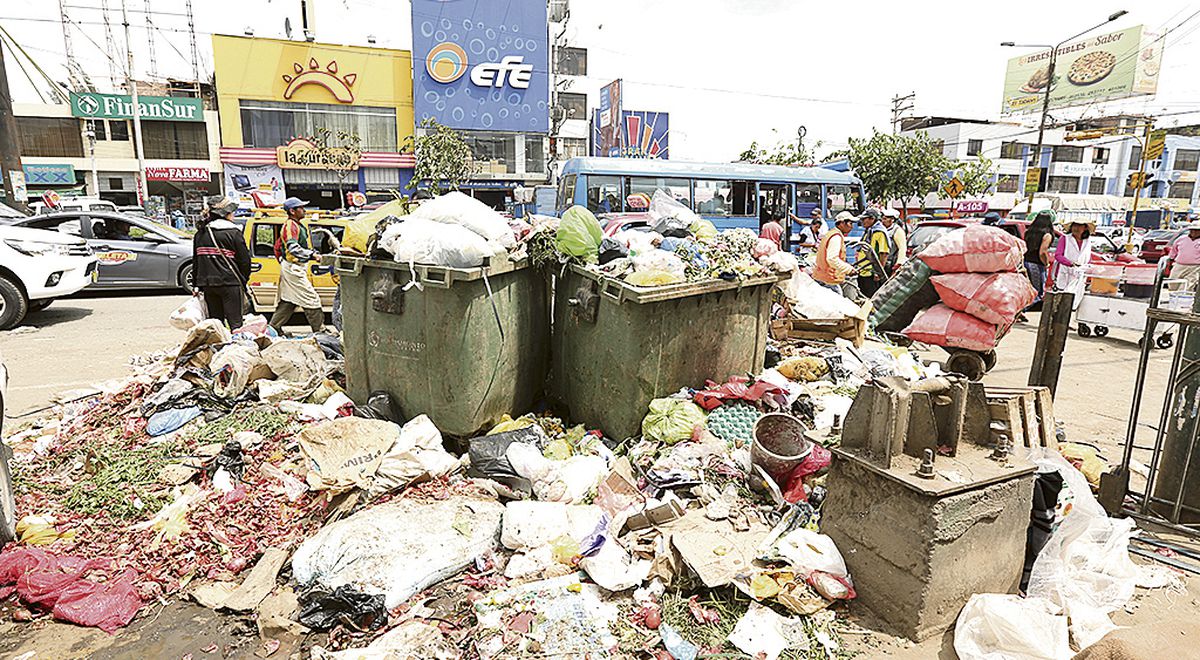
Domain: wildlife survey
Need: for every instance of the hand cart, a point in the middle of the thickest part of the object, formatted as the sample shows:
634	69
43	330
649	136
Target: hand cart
1118	296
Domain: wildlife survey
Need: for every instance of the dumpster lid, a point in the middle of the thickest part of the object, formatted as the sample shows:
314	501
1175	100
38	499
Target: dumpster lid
352	266
621	290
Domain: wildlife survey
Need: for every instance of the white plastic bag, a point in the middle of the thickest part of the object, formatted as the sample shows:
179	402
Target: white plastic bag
417	453
421	241
813	301
235	367
455	208
1006	627
668	214
809	551
658	261
566	481
190	313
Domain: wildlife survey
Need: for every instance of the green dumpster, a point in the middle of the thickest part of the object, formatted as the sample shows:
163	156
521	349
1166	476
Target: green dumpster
446	348
617	346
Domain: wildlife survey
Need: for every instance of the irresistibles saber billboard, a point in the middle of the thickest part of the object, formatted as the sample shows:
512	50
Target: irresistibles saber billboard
1107	67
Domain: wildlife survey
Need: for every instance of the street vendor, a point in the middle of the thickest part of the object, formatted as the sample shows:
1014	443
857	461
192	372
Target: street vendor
831	267
897	239
772	231
1185	255
1071	257
810	231
294	251
874	250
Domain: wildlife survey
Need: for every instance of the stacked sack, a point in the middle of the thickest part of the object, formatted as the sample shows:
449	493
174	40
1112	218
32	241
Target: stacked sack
974	273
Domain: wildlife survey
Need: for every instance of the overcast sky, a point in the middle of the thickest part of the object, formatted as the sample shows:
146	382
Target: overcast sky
728	71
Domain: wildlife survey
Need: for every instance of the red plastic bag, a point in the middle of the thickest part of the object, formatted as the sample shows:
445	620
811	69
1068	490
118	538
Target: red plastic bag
106	605
974	249
942	326
738	387
818	459
993	297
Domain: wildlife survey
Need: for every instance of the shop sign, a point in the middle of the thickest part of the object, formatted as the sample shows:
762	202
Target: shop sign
1079	169
1109	66
20	191
302	154
187	174
1033	178
328	76
504	47
972	206
54	174
91	105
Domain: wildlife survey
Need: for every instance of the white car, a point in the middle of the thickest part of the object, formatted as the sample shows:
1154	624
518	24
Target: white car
37	266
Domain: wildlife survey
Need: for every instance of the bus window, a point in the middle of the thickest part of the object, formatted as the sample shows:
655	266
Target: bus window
773	201
603	194
680	189
743	198
566	193
808	197
713	198
843	197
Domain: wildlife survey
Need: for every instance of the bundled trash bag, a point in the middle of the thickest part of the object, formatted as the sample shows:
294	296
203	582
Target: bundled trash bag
189	314
455	208
235	367
612	249
321	609
671	420
489	460
993	297
421	241
579	234
974	249
671	218
380	405
996	626
941	326
902	297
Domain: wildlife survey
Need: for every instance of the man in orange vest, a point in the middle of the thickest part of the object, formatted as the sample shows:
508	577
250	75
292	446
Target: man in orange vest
831	266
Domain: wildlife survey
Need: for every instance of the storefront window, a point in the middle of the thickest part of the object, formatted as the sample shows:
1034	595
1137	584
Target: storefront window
680	189
494	153
118	130
714	197
174	139
1063	184
535	154
603	193
50	136
271	123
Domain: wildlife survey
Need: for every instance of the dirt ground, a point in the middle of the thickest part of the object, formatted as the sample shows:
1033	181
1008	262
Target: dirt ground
81	341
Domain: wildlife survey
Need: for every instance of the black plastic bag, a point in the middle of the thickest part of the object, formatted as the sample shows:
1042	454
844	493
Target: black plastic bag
488	459
231	459
772	357
321	610
1046	488
380	405
611	250
330	345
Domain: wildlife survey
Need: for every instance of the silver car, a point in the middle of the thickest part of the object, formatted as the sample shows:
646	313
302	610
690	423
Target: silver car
134	252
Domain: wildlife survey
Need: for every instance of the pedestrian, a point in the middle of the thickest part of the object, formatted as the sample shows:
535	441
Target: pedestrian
1038	237
294	251
873	253
831	268
991	218
1074	252
772	231
897	238
1185	256
221	262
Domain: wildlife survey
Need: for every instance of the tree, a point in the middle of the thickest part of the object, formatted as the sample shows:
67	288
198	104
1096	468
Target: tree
338	152
898	167
976	176
443	156
788	152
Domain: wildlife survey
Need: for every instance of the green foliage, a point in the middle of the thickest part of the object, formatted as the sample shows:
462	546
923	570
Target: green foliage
976	177
443	156
898	167
788	152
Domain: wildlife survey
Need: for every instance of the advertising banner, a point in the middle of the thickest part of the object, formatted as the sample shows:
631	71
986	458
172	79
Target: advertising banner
245	183
55	174
91	105
481	64
609	122
1110	66
643	134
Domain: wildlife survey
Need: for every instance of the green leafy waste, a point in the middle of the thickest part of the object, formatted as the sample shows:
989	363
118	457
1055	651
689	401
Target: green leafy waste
123	482
264	420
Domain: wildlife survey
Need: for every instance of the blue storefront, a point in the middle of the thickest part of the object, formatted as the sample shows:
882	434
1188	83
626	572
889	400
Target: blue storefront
483	68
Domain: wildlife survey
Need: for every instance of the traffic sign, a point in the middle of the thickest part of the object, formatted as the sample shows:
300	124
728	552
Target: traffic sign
1154	146
955	187
1033	178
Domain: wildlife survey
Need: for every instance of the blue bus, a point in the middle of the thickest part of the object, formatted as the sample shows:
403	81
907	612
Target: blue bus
729	194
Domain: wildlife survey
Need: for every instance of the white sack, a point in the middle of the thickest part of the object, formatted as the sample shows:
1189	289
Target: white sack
456	208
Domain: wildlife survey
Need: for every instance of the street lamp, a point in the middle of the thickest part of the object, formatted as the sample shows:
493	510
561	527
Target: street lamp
1049	84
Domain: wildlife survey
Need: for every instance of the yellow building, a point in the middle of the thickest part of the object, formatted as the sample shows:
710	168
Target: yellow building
272	93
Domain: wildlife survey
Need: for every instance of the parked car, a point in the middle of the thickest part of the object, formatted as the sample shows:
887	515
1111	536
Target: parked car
8	505
38	266
74	204
1156	242
134	253
9	215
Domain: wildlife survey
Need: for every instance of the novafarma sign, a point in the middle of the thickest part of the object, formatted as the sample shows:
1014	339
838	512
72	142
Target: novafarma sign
89	105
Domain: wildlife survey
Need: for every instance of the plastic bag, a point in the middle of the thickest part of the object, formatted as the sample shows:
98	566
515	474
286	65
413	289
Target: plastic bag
1005	627
380	405
321	610
166	421
190	313
659	261
612	249
942	326
567	481
359	230
416	454
421	241
671	420
809	551
812	301
974	249
489	460
764	247
902	297
703	230
235	367
648	278
579	234
993	297
456	208
671	218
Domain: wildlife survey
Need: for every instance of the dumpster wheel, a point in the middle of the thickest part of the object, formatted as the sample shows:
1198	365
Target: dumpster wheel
971	364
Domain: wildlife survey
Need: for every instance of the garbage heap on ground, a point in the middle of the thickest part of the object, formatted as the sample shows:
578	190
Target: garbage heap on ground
962	291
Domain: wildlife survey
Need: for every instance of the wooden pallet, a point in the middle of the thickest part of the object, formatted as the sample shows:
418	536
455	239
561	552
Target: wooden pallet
1024	414
852	328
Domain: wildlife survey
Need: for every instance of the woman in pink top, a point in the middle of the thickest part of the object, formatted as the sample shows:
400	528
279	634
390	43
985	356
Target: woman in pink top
1071	259
1185	256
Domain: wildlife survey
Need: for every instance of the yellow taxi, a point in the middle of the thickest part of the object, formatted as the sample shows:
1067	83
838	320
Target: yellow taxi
262	231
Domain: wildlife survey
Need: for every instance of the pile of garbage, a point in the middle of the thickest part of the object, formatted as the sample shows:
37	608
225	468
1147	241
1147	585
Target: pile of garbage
962	291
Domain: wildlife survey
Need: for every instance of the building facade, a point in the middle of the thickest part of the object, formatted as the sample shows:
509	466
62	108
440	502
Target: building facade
276	100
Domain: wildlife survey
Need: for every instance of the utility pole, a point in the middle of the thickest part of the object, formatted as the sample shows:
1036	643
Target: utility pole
110	44
10	149
195	55
153	59
900	105
1141	181
137	111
